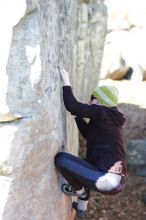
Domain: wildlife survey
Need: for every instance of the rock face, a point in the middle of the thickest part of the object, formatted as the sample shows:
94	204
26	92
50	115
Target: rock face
91	36
37	37
39	43
136	154
125	42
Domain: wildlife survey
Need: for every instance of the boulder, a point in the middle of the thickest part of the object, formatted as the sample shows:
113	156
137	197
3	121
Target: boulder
120	74
34	125
142	172
37	37
125	42
126	13
92	29
136	154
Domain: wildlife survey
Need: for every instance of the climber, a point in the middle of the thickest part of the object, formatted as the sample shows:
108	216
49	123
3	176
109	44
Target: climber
104	169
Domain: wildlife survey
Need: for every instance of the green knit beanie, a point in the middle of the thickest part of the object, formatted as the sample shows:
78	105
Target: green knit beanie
107	95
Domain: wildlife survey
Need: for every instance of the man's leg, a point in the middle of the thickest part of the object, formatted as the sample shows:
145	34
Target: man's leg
83	202
81	205
80	173
76	171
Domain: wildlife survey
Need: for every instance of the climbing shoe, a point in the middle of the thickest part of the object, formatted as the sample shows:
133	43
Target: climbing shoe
68	190
79	213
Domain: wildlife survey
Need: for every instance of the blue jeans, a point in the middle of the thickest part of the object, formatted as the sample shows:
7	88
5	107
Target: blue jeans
80	173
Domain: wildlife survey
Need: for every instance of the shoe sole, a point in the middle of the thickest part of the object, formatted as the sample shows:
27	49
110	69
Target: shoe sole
70	193
67	193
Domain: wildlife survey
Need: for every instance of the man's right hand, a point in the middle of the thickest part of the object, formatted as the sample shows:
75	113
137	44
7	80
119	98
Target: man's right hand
64	76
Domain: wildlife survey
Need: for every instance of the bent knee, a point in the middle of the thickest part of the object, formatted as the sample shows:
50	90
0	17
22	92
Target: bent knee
58	158
61	160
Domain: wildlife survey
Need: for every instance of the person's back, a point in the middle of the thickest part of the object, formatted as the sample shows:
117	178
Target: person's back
105	139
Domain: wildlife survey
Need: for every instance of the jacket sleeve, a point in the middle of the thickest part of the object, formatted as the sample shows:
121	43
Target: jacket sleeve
82	126
77	108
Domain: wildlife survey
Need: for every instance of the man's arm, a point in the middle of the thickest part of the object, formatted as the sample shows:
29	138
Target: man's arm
72	105
77	108
82	126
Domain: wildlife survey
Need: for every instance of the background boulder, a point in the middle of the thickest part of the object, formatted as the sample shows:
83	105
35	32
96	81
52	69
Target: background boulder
125	42
91	36
136	154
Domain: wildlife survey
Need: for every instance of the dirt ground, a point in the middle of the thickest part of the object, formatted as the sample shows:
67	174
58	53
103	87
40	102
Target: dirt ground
126	205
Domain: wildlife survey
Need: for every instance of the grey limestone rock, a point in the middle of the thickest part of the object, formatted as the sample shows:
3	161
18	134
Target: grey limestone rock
136	154
36	43
37	37
92	20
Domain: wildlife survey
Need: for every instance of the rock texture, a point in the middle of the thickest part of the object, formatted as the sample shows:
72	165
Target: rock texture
91	36
38	42
125	42
136	154
37	37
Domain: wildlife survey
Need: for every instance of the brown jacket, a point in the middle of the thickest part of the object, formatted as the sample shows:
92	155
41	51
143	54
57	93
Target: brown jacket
104	133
